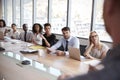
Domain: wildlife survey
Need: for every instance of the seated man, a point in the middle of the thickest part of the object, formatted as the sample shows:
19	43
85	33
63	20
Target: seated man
14	33
25	35
50	38
66	41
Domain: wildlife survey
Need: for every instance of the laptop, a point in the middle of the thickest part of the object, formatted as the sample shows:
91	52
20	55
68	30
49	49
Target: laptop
74	53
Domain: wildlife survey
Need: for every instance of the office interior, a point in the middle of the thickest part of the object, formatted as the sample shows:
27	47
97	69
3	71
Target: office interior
82	16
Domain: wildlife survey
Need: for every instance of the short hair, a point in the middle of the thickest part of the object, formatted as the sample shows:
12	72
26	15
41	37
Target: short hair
24	25
47	24
4	24
65	29
40	26
13	24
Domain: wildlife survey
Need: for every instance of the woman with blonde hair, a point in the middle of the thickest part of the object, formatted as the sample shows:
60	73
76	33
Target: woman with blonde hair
96	49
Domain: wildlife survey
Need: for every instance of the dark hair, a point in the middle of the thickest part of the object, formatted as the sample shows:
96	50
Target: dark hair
47	24
24	25
40	26
4	24
65	29
13	24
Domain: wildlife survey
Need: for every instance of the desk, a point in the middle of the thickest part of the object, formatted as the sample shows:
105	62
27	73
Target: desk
11	69
63	63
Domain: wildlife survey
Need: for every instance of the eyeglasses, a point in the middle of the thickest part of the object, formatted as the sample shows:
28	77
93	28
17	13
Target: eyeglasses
94	36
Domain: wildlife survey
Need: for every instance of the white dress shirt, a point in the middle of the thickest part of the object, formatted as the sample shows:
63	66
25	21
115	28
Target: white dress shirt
29	36
72	42
13	34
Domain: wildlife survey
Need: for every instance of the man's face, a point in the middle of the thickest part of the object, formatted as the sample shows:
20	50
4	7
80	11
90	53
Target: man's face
25	27
66	34
47	29
14	28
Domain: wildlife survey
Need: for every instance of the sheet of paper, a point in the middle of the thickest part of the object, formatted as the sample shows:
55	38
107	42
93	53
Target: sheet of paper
52	50
92	62
36	47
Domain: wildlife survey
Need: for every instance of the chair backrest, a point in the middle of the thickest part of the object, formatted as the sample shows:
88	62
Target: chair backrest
82	49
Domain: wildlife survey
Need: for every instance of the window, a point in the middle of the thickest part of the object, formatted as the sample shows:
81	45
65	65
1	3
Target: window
9	12
80	18
98	21
41	11
77	14
17	12
28	10
3	11
58	15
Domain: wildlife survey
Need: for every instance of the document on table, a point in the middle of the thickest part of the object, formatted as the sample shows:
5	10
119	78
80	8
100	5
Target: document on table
36	47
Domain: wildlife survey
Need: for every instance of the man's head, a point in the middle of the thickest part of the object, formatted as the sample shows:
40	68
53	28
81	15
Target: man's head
25	27
66	32
13	26
111	15
47	28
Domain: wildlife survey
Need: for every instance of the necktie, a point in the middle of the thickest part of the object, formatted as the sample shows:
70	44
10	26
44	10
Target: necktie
66	47
25	36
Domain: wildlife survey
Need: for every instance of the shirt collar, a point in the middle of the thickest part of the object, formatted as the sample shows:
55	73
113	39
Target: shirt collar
69	38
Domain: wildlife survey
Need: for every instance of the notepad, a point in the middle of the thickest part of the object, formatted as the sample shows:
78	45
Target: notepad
36	47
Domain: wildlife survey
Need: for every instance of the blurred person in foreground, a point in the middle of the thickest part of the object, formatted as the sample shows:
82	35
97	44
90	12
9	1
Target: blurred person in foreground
111	70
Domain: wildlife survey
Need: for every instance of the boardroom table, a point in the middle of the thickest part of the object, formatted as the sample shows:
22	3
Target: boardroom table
43	66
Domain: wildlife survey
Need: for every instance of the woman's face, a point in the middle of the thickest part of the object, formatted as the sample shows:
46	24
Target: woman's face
94	38
1	24
37	28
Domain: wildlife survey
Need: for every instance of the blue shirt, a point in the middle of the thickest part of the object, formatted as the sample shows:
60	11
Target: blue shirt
72	42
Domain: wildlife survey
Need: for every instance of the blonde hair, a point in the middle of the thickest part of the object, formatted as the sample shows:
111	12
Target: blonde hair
100	45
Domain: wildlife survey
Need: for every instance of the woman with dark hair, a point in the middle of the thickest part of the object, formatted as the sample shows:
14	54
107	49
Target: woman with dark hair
2	23
2	26
96	49
37	34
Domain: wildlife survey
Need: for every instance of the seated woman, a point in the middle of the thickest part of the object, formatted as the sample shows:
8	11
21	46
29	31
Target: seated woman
13	34
96	49
37	35
3	27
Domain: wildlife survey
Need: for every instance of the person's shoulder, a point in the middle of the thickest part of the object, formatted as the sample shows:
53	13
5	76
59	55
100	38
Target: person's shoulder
104	45
29	32
74	38
53	35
